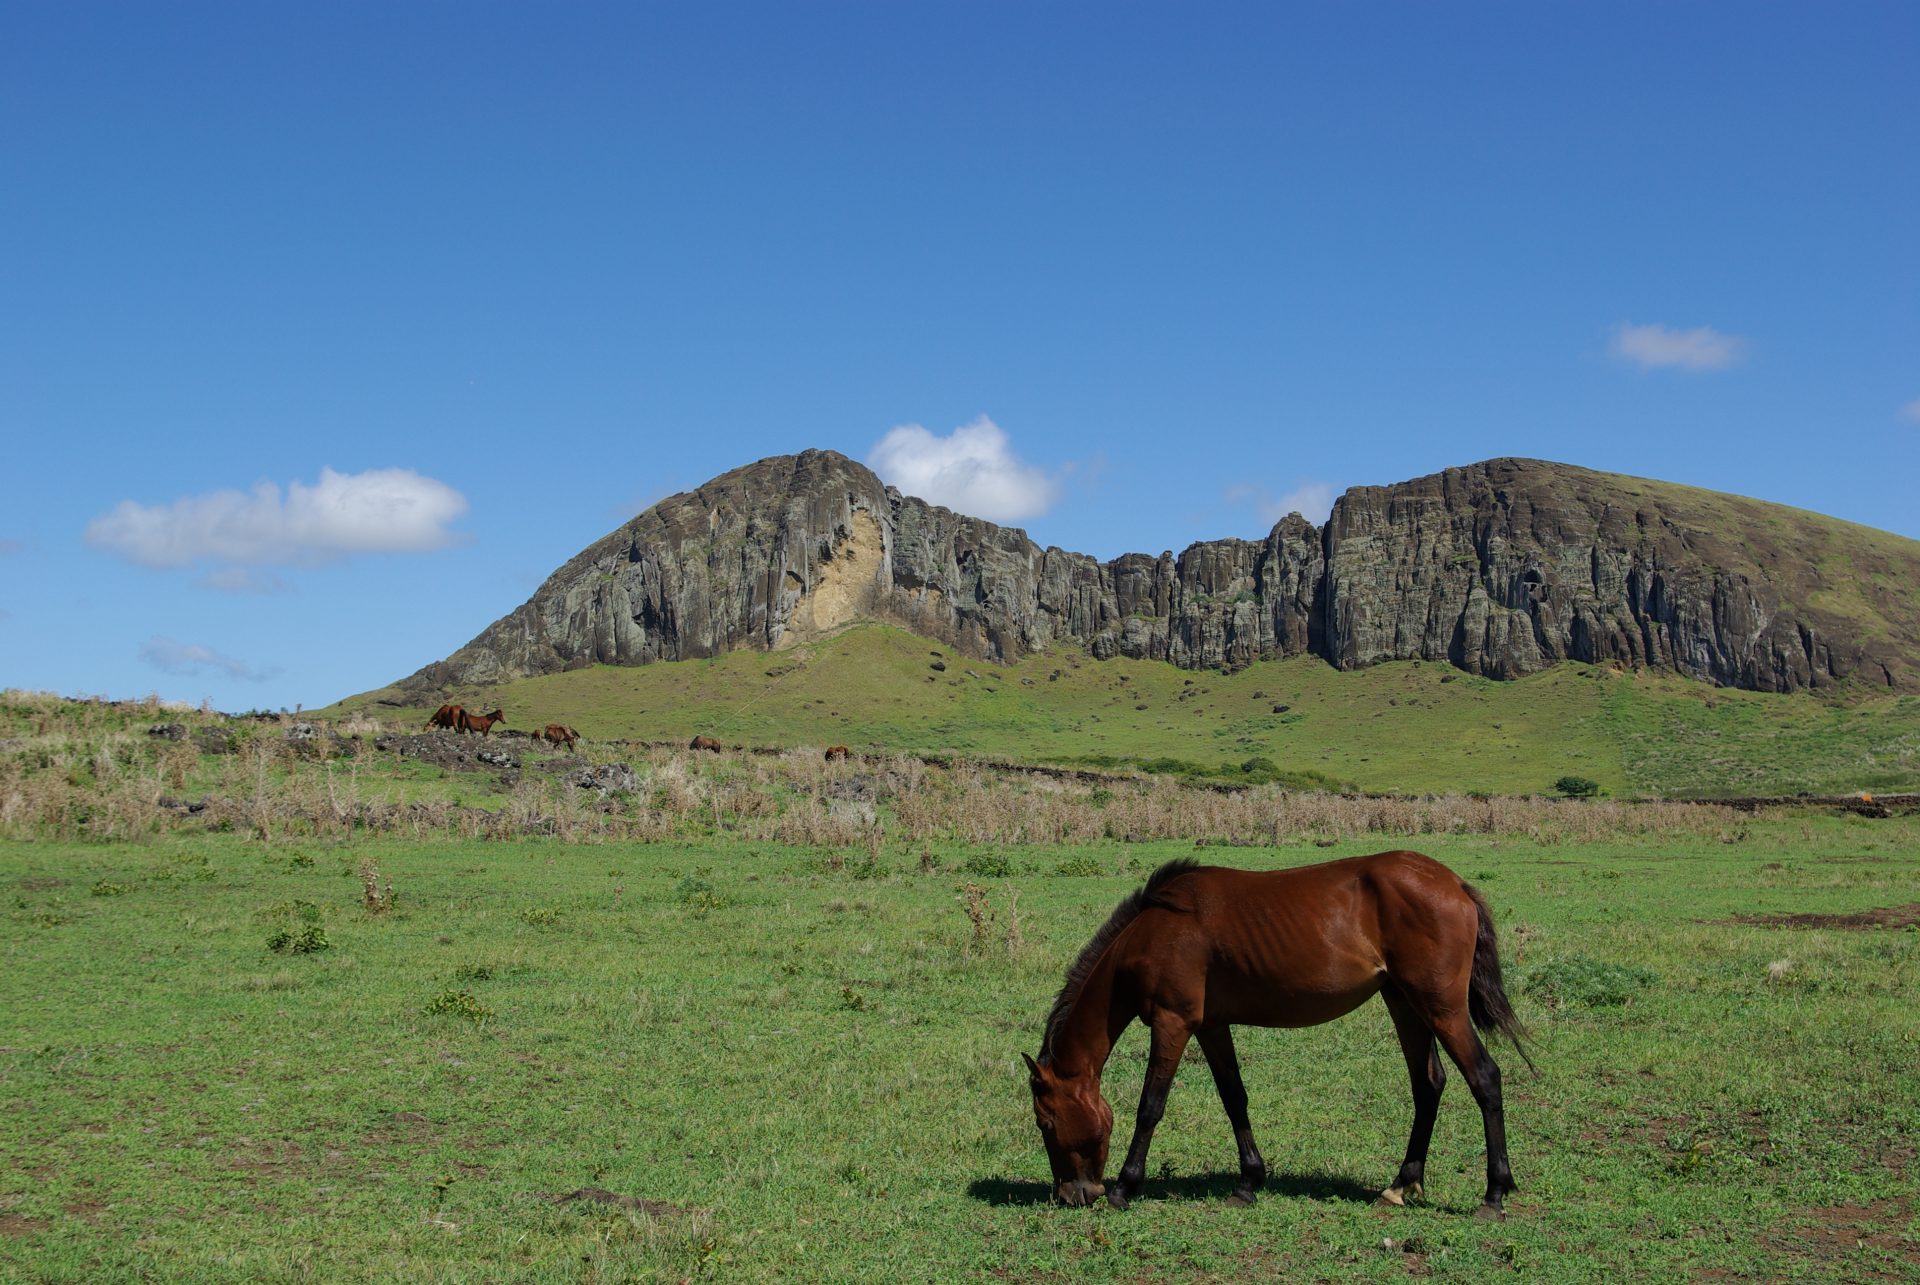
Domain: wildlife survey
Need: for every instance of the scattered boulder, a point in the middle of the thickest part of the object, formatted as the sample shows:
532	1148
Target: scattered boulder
169	731
603	779
215	740
866	787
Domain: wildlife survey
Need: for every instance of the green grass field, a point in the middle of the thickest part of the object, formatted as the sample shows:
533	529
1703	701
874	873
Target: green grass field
1403	727
818	1068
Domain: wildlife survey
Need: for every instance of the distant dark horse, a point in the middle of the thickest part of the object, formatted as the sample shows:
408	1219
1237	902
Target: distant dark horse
704	743
447	716
1200	949
558	734
837	752
481	723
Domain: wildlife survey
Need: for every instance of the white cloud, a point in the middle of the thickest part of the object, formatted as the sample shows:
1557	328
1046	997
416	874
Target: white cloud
971	470
1658	347
391	510
1911	411
1311	500
174	657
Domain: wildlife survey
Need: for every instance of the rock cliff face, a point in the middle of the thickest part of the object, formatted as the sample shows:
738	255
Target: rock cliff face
1501	568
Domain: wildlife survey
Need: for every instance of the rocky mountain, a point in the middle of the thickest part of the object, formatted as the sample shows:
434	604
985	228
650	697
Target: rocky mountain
1501	568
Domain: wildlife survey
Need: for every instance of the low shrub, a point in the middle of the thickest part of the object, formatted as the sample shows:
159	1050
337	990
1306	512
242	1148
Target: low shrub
460	1004
309	940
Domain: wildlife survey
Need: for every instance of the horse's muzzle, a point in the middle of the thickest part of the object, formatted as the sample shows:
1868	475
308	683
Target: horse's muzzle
1081	1191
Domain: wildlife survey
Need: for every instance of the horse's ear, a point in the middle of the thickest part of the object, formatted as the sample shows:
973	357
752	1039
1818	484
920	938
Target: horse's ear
1033	1067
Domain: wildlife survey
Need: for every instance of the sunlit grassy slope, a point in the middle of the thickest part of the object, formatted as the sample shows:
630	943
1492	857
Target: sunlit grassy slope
1404	727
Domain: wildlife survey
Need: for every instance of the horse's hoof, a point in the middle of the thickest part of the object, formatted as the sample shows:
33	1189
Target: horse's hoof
1243	1196
1390	1198
1116	1197
1490	1214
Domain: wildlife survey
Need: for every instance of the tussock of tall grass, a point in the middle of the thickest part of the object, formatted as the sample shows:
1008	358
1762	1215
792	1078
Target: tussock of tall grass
76	770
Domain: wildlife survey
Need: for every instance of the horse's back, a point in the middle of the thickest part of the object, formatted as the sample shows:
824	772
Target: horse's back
1300	946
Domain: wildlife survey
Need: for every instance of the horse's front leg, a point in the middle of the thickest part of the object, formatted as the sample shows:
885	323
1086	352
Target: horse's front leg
1163	1059
1217	1044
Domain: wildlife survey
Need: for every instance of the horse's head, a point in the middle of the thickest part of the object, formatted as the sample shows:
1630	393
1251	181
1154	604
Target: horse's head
1075	1123
495	717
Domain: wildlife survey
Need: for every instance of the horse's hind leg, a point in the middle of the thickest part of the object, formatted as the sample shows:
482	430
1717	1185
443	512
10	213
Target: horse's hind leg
1217	1044
1163	1059
1482	1074
1429	1077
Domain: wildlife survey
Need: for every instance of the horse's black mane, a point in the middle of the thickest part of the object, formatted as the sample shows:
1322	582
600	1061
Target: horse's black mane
1147	895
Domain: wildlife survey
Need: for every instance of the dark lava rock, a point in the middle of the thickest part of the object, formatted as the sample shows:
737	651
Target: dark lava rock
603	778
215	740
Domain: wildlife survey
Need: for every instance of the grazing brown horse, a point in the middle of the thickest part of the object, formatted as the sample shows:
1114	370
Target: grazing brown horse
447	716
558	734
481	723
1200	949
837	752
704	743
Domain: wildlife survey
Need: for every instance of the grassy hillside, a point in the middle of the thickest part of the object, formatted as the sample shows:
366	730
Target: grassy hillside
1411	727
1856	580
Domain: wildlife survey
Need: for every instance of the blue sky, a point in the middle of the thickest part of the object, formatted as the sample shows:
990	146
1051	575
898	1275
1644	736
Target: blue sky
327	331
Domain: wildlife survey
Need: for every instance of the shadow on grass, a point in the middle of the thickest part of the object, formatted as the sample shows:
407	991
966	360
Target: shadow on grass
1205	1186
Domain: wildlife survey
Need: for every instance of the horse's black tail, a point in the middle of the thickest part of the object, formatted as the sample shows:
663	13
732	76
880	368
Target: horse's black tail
1487	996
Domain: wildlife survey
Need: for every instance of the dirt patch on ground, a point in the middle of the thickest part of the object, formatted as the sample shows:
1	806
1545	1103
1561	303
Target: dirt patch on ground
1860	920
41	885
272	1158
15	1225
1853	1242
407	1128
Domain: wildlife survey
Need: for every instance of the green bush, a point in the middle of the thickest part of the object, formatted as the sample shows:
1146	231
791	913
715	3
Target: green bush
308	941
1577	787
699	896
988	865
460	1004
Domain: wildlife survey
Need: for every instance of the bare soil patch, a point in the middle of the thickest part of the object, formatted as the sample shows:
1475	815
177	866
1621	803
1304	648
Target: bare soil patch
1860	920
1853	1241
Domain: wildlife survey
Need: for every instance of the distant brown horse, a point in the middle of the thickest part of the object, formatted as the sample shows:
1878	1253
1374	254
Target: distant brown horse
558	734
481	723
837	752
704	743
447	716
1200	949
